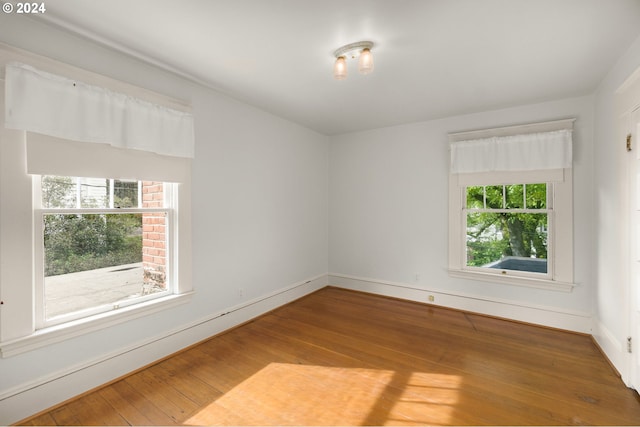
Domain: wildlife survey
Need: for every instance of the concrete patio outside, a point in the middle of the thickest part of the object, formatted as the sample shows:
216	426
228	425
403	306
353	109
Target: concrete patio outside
67	293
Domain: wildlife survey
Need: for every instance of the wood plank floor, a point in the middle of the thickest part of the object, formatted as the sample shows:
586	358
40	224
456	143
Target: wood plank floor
338	357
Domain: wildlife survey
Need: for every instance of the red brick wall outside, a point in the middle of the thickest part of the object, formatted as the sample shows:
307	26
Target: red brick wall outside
154	254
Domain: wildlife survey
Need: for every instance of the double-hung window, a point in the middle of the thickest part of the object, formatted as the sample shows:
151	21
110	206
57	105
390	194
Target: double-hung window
100	245
510	205
507	229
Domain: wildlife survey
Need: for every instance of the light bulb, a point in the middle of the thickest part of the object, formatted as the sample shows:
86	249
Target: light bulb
340	68
365	63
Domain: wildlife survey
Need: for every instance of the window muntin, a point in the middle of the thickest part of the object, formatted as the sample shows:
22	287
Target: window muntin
104	244
507	229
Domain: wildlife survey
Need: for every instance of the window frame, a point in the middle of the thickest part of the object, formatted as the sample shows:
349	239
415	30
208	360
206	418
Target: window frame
41	320
548	210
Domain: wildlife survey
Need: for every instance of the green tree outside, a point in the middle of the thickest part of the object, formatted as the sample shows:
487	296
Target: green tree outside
80	242
492	235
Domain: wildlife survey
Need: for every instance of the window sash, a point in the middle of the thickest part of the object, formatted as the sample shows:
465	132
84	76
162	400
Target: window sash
548	201
41	320
548	210
505	272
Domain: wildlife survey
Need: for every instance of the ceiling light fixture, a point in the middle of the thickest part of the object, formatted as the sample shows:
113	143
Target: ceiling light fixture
365	61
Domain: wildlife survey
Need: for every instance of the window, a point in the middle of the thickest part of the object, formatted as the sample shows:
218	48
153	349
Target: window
511	206
507	228
42	191
101	244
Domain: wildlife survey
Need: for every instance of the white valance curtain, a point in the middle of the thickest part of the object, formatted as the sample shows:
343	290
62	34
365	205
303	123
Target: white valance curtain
524	152
41	102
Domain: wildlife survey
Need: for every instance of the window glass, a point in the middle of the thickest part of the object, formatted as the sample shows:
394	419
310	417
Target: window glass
475	197
125	193
494	196
58	192
101	261
93	192
536	196
505	235
514	196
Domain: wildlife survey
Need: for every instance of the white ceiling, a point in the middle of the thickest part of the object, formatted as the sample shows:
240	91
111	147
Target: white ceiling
433	58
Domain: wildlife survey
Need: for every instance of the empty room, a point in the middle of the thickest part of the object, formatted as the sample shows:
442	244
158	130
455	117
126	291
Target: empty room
320	212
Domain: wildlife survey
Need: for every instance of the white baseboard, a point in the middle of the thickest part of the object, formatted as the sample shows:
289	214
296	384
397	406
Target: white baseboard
28	399
514	310
612	348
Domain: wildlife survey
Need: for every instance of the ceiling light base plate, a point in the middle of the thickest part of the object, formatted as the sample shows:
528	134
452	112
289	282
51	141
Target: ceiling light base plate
353	49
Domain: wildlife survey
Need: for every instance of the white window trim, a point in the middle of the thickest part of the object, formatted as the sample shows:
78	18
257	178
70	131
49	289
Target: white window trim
561	229
552	285
58	333
41	322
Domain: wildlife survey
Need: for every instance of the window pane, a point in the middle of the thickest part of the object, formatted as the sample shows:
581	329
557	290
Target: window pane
125	194
515	196
494	197
503	241
97	193
94	192
475	197
536	196
94	259
58	192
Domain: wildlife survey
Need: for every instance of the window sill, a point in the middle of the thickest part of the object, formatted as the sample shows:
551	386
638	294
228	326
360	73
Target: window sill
58	333
551	285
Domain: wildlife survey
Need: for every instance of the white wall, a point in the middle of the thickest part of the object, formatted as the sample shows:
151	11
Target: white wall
389	216
259	218
611	292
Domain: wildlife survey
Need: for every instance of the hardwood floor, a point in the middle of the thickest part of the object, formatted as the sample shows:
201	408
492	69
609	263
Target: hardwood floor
338	357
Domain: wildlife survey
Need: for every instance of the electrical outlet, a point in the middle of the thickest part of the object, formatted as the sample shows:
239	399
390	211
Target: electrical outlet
432	298
241	292
417	277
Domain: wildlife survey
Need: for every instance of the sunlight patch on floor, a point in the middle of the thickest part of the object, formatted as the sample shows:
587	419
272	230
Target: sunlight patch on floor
289	394
428	399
